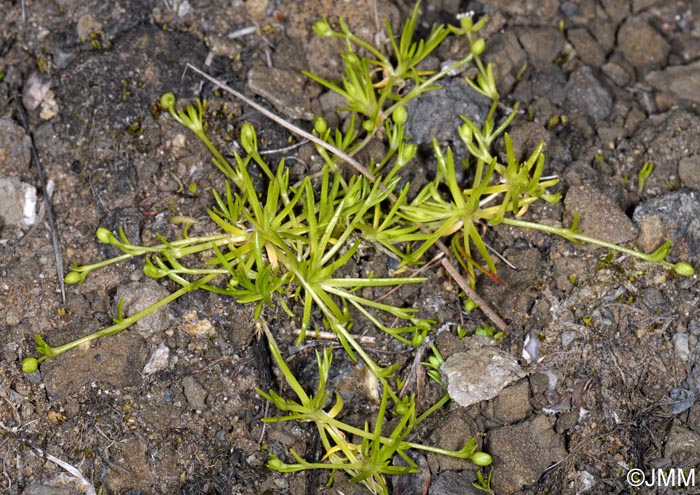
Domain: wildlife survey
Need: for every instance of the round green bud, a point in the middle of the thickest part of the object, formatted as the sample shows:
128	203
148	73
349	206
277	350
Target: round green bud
465	133
73	278
352	59
470	305
167	101
320	126
249	138
30	365
684	269
400	115
368	125
466	23
105	236
322	28
481	459
406	152
478	47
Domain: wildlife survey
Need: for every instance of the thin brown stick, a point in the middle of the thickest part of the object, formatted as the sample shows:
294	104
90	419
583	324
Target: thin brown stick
451	269
290	127
58	258
464	285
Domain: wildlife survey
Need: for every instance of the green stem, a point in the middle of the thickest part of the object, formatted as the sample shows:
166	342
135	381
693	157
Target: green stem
127	322
581	238
444	400
321	417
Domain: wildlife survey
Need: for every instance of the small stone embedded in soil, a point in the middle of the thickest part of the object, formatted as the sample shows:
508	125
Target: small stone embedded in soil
454	483
641	45
15	148
680	345
41	489
522	452
285	89
158	360
588	94
197	328
513	403
689	170
17	202
682	445
437	113
452	433
479	374
195	393
35	90
137	296
587	48
542	44
112	362
681	82
674	217
599	215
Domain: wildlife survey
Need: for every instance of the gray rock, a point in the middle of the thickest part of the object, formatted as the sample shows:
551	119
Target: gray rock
479	374
542	44
667	139
285	89
642	46
158	360
195	393
604	33
507	56
587	48
549	83
675	217
680	345
453	433
137	296
687	47
513	403
454	483
679	81
15	148
616	9
619	72
437	113
592	205
522	452
40	489
682	446
587	94
689	171
17	202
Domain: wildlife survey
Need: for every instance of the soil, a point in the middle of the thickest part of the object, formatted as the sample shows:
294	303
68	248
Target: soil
172	408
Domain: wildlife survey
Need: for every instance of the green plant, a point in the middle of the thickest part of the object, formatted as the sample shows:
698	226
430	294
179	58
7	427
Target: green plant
483	483
461	332
285	246
644	174
370	460
489	331
434	364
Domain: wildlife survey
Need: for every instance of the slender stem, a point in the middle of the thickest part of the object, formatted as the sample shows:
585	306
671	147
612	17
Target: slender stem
576	237
443	400
127	322
464	285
